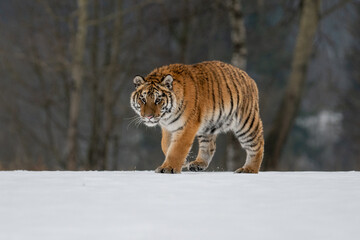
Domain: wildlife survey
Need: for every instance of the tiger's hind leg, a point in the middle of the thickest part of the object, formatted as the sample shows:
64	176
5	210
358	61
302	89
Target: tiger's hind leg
207	148
252	140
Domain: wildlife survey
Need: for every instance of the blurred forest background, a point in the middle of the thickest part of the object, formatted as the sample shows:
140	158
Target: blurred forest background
66	70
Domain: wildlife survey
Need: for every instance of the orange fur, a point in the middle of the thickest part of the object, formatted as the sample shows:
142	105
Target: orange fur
200	100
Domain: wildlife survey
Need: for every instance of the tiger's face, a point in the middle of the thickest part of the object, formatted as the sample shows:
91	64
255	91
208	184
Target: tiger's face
152	101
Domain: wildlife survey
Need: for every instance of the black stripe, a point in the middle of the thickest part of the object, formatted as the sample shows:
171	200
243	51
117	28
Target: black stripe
213	95
169	103
246	121
134	100
254	145
258	139
178	129
208	85
179	114
231	97
233	77
251	139
248	115
240	81
254	134
247	130
221	100
196	87
257	149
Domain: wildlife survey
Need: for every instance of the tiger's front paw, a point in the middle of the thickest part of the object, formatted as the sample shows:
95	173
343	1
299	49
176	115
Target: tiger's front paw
197	165
167	169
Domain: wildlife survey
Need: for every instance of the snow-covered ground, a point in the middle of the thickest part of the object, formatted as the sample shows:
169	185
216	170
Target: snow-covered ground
145	205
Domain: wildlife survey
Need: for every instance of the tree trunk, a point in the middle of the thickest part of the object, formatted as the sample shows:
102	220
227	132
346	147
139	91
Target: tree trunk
77	73
109	88
239	55
96	99
276	139
238	34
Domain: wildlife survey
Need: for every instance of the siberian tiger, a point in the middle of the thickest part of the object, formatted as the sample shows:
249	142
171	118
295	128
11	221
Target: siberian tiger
200	100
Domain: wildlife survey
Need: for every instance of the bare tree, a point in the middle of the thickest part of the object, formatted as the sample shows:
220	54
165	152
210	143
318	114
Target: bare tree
96	100
309	21
77	73
286	114
238	34
109	93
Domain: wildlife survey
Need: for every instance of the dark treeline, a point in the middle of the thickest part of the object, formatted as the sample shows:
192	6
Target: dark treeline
66	70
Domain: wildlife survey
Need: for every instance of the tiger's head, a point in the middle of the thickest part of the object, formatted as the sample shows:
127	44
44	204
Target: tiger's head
153	100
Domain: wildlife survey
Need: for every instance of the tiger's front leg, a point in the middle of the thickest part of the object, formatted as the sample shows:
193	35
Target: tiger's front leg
165	140
179	148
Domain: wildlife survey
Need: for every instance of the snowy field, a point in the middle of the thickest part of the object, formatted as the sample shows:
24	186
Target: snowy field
145	205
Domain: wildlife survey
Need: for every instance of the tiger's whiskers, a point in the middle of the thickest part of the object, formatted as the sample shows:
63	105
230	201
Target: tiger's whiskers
136	120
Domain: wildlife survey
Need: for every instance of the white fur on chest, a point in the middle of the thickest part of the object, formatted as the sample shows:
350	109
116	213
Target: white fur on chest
173	126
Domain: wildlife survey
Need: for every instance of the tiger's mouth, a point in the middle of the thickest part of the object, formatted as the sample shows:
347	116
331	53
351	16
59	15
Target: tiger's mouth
151	122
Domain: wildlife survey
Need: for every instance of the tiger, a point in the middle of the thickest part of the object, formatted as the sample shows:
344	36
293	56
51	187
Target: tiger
200	101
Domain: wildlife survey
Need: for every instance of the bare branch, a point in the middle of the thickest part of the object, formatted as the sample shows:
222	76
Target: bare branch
333	8
114	15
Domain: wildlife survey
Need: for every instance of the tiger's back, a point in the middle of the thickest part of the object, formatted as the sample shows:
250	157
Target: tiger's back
206	99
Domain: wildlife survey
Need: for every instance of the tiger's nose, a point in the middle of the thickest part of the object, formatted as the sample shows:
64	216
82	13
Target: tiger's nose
149	116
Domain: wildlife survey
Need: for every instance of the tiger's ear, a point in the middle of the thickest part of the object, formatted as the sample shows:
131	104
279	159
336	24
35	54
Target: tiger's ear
138	80
168	82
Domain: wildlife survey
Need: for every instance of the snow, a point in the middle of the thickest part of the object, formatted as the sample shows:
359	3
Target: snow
210	205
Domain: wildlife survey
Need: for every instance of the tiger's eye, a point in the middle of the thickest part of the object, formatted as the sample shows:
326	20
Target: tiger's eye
142	99
158	100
